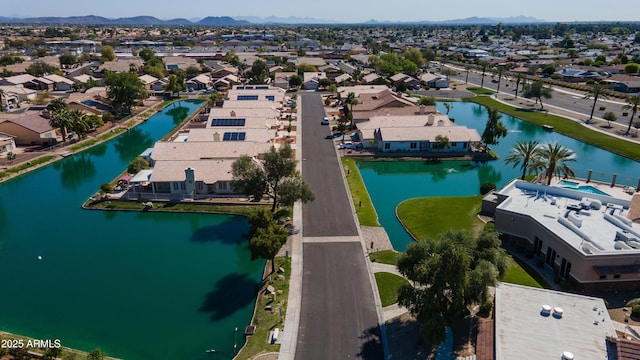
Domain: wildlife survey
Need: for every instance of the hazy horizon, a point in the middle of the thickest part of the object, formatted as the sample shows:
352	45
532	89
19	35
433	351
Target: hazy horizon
329	10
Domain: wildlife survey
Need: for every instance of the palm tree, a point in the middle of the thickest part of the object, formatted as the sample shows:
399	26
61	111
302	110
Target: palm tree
538	91
499	72
60	118
597	91
632	104
467	68
553	159
1	98
483	65
351	101
524	152
520	78
79	122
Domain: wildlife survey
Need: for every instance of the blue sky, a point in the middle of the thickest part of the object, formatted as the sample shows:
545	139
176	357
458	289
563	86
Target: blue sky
337	10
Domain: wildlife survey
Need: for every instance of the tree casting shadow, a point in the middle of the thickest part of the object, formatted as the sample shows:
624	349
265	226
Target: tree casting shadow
232	293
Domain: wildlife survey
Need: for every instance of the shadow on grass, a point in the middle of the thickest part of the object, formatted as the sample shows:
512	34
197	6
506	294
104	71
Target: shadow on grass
232	293
372	344
225	232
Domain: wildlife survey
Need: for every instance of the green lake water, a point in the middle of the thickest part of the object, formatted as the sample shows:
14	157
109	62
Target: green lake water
137	285
391	182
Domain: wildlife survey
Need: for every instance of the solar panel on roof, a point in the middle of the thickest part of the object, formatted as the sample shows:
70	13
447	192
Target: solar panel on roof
234	136
228	122
247	97
271	97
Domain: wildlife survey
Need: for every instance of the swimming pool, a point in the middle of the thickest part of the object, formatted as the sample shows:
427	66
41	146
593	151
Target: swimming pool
584	188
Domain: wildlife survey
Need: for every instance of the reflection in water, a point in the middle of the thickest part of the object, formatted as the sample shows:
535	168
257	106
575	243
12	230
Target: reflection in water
3	218
99	150
76	170
178	114
132	143
489	174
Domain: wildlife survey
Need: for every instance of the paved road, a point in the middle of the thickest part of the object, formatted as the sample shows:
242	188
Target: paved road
330	214
338	318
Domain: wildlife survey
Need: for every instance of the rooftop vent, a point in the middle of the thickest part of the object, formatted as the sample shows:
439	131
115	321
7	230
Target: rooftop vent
557	313
567	356
546	310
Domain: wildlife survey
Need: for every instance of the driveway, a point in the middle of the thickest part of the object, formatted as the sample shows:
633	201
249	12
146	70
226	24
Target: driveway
338	318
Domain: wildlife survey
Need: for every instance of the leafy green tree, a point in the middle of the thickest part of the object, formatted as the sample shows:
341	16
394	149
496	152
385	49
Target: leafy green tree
633	102
426	101
415	56
264	178
294	189
523	154
266	236
137	164
441	142
79	122
67	60
631	68
448	275
96	354
232	58
610	116
176	83
304	67
295	81
124	90
192	71
552	159
537	90
146	54
597	91
40	68
258	74
107	53
494	129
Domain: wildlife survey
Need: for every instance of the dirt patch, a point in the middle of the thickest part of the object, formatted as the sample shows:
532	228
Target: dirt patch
620	314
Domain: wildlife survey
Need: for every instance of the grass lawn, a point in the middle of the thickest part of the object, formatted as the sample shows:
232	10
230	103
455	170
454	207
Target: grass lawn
264	320
516	274
389	257
172	207
388	285
362	202
481	91
431	216
566	127
27	165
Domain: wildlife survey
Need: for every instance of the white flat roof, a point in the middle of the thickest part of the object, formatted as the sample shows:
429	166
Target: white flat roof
522	332
251	135
529	199
429	133
194	150
209	171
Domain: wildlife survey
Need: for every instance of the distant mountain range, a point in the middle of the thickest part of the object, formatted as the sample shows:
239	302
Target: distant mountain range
245	20
129	21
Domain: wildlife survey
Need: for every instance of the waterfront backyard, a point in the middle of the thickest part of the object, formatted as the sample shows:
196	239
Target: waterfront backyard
139	285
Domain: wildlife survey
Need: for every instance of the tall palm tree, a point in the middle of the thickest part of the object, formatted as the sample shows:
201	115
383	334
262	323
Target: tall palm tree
520	79
499	72
538	91
351	101
1	99
483	65
597	91
79	122
467	68
632	104
524	152
552	159
60	119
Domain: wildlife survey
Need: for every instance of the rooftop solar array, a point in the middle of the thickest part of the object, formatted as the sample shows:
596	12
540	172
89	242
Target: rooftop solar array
228	122
234	136
247	97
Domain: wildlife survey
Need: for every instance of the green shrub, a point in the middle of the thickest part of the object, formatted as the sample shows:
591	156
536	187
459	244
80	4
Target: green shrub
635	311
602	108
633	302
485	308
137	164
486	188
107	188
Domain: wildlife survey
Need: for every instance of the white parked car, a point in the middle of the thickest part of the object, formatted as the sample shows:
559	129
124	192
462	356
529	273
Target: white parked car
325	121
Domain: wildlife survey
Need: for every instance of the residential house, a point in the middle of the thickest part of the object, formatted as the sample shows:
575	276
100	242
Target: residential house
434	81
60	83
625	83
200	82
371	78
122	64
537	323
281	79
24	80
30	129
311	80
411	82
587	239
179	62
578	75
342	79
148	81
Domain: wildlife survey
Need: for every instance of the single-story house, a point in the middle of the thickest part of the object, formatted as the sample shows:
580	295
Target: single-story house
178	62
30	129
199	82
311	80
434	81
425	139
60	83
281	79
148	81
